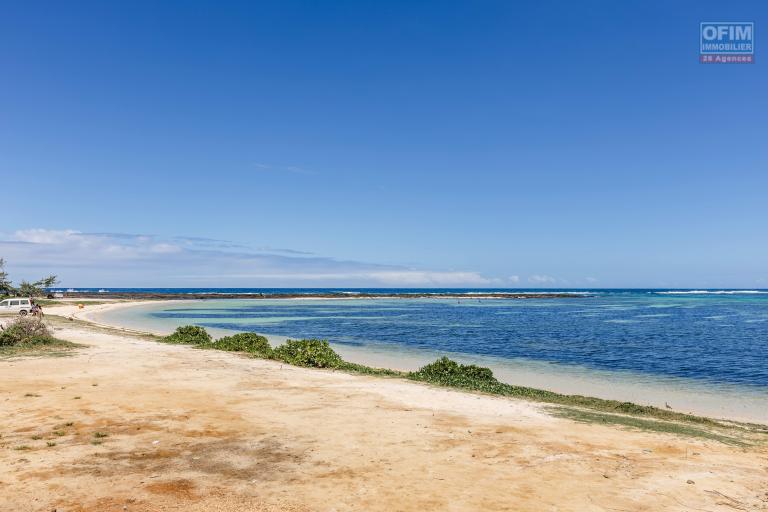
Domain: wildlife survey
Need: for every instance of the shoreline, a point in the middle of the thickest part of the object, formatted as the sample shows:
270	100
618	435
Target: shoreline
321	295
730	402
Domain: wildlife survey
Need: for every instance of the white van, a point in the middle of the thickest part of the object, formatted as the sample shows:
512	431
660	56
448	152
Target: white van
18	305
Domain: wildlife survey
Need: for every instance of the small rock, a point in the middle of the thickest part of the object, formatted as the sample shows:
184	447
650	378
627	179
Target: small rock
690	482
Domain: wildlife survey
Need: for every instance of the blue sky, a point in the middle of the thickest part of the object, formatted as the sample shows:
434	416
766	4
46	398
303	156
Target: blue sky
543	144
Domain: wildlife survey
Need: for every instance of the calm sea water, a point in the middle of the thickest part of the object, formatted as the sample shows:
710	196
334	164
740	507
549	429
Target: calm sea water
716	336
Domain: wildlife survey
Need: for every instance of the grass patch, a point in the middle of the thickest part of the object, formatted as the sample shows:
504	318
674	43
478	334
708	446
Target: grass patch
50	444
60	348
367	370
100	435
650	425
22	447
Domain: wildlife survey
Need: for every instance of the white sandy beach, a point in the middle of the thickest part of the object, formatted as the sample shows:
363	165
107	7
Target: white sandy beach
684	395
185	429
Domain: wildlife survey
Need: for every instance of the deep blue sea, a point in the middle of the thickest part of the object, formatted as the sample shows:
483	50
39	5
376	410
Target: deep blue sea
716	336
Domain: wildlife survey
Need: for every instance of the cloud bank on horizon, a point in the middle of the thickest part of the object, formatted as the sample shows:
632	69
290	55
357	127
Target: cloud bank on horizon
141	260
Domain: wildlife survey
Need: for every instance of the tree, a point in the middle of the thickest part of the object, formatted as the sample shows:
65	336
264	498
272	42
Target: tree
25	289
6	288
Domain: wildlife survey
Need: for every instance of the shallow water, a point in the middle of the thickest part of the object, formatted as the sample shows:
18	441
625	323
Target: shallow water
709	344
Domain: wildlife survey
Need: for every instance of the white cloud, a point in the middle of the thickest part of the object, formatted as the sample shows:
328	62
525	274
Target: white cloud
407	278
423	278
45	236
133	260
541	279
514	279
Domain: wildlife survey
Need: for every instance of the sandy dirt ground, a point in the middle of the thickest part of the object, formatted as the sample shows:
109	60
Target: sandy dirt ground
129	424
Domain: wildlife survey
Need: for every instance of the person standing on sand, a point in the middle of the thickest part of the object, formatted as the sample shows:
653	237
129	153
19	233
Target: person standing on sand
36	310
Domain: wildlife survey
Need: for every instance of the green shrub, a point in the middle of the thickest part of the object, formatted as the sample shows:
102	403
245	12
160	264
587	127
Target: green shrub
190	335
314	353
25	331
245	342
447	372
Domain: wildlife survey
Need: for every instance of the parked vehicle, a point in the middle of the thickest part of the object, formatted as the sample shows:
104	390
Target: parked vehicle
17	305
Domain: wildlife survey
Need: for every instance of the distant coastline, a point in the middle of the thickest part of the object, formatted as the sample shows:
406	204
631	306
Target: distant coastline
180	295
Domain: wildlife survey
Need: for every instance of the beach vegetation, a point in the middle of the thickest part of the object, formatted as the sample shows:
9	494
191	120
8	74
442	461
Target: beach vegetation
36	288
446	372
189	335
50	444
727	436
27	336
310	352
245	342
25	330
368	370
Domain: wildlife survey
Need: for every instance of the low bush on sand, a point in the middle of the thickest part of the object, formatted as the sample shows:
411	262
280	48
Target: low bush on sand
245	342
189	335
25	331
313	353
446	372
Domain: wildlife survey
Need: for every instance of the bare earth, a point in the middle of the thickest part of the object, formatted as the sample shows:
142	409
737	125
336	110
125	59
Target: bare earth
196	430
